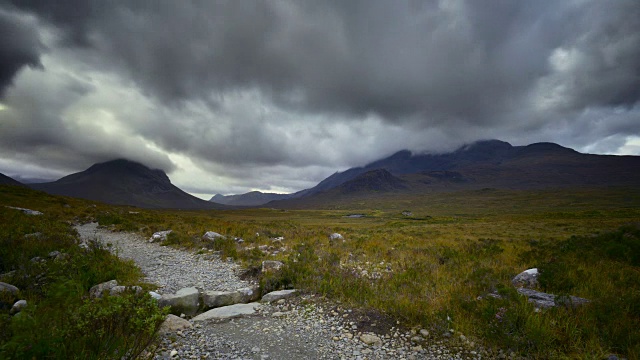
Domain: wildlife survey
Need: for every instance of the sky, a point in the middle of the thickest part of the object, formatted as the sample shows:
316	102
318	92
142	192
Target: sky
233	96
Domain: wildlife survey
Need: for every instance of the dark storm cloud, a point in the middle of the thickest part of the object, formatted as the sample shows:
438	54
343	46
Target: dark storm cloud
19	46
73	16
458	61
607	56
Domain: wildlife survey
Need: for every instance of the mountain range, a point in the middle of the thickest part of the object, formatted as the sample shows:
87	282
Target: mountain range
484	164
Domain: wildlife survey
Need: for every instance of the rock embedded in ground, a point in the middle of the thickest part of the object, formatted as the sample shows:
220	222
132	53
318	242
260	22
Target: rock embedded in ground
25	211
228	312
159	236
18	306
99	290
544	300
8	288
173	324
271	265
371	339
250	293
214	299
211	236
184	301
119	290
527	278
278	295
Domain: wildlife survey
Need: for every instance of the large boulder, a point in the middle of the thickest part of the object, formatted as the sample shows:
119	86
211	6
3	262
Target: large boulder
99	290
527	278
211	236
277	295
172	324
228	312
185	301
160	236
544	300
271	265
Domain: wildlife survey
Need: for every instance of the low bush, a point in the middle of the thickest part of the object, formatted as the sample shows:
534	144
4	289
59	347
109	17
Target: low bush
60	321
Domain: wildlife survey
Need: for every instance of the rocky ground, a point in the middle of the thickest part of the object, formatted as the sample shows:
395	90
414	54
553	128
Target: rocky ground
305	327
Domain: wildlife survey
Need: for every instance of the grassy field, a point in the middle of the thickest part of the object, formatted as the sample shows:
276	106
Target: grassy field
434	268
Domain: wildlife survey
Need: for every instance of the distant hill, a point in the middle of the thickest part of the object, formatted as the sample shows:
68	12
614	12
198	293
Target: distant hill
253	198
491	163
124	182
5	180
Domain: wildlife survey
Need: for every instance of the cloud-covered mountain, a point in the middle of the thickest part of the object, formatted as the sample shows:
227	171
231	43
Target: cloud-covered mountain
124	182
483	164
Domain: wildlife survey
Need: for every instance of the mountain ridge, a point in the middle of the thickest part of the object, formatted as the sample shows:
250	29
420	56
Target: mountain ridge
7	180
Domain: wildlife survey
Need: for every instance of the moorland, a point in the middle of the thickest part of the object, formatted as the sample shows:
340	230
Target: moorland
429	260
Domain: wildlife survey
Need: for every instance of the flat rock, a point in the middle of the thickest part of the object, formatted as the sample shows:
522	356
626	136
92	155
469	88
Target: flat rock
211	236
26	211
228	312
174	323
184	301
544	300
277	295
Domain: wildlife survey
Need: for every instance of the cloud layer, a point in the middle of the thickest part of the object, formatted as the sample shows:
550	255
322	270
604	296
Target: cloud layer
279	94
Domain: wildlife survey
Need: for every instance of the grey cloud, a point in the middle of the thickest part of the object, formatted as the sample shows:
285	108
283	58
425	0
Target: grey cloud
430	62
44	123
19	46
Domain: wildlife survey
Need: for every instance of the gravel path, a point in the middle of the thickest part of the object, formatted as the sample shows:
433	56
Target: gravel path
165	266
305	327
